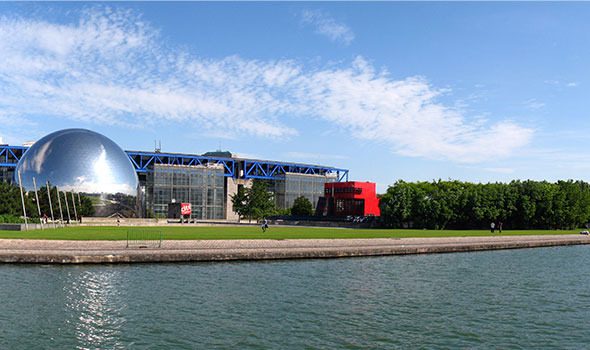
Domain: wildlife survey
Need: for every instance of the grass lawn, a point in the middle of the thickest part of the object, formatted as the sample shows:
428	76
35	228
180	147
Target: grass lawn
251	232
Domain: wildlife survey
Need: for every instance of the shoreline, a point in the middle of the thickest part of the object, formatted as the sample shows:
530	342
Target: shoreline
100	252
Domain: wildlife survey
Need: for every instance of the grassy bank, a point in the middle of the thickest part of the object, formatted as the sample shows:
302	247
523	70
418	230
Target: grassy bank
251	232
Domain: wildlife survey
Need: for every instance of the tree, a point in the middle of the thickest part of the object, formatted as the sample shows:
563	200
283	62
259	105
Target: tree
239	202
10	201
260	200
255	202
463	205
302	207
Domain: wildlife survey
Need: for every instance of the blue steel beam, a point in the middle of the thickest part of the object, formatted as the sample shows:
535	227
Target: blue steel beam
256	169
269	170
144	161
10	155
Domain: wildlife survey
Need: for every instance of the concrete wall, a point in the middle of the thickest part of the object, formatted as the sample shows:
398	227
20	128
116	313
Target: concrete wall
231	189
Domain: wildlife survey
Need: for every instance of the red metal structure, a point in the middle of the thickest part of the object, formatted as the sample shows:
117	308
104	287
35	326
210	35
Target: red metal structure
351	198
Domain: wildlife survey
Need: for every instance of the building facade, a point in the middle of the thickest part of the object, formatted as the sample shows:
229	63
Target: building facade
202	186
349	199
207	181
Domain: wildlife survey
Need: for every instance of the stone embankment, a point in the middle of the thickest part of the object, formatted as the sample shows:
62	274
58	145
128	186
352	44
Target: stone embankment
77	252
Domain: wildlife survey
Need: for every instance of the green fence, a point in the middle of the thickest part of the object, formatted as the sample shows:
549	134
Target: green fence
138	238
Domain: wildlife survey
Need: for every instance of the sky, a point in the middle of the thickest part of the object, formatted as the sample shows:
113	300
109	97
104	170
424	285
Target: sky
413	91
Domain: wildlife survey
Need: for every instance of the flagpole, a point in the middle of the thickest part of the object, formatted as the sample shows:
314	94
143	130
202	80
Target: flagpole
22	198
67	207
74	203
50	205
37	198
61	213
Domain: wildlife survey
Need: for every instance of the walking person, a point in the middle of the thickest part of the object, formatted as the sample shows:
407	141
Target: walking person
500	226
264	225
492	226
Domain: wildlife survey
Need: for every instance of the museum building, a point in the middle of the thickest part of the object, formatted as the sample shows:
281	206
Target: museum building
86	162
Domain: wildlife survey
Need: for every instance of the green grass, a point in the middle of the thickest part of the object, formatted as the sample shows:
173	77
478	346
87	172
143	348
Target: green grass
251	232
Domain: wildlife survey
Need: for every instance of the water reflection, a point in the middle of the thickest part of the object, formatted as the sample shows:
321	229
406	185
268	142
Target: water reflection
503	299
95	304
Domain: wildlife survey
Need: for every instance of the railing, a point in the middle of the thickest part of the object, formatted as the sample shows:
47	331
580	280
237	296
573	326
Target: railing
138	238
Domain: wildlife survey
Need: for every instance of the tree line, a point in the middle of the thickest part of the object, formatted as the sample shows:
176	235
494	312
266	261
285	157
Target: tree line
430	205
463	205
11	208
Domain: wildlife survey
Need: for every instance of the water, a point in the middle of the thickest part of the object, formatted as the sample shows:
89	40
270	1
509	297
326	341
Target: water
512	299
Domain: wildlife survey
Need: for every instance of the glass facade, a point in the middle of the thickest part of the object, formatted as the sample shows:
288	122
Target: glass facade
201	186
291	186
6	174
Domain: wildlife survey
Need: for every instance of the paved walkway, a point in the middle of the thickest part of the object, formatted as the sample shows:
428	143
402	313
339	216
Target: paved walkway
54	251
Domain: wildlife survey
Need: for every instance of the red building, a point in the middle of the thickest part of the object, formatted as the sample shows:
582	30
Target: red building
349	198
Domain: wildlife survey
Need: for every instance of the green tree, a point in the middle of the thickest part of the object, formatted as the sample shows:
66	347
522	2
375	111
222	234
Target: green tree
255	202
10	201
462	205
260	200
302	207
240	203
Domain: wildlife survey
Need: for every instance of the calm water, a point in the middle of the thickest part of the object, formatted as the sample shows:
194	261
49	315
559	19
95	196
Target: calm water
536	298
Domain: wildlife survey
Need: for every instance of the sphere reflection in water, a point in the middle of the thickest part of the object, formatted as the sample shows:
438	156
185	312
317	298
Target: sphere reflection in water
86	162
95	307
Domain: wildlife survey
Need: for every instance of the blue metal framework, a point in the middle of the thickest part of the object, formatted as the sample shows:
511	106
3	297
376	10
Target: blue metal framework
144	161
251	169
10	155
259	169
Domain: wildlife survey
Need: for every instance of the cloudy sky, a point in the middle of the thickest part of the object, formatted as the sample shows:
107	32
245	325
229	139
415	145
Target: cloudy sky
414	91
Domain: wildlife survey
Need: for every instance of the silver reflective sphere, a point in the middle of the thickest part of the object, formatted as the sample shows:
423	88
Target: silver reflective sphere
82	161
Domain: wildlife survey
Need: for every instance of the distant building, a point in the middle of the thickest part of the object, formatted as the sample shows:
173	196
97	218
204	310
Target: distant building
352	198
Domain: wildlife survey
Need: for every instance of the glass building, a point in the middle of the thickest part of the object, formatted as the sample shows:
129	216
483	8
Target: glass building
202	186
291	186
6	174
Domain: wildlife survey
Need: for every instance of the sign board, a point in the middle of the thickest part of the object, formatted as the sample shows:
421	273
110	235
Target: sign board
185	209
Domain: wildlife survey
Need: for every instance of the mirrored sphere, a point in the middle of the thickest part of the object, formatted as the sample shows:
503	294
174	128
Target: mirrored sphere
81	161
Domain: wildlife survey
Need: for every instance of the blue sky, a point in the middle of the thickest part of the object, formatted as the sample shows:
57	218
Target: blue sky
415	91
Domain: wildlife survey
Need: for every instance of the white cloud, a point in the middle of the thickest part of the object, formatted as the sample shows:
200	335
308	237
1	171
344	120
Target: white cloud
110	68
534	104
325	25
559	83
